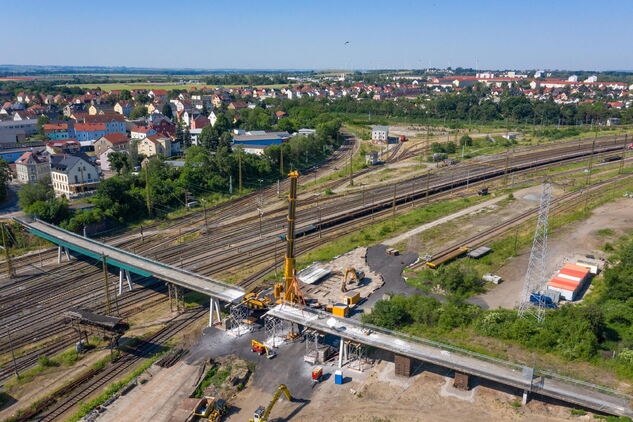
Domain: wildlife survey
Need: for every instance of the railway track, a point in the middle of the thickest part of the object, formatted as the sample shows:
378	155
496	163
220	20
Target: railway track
67	397
237	242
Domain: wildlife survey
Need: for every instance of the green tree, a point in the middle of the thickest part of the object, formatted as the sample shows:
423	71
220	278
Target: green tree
53	211
167	112
4	179
41	121
465	140
119	161
138	112
33	192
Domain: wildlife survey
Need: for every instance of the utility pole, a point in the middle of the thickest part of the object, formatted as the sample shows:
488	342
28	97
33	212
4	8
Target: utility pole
186	198
505	176
351	169
428	181
7	255
105	284
239	161
15	365
281	162
148	198
204	209
393	207
590	164
623	153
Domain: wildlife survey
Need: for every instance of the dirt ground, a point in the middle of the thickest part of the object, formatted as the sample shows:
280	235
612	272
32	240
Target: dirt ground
482	217
378	394
579	238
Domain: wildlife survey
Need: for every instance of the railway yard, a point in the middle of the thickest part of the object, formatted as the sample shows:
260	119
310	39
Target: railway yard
239	244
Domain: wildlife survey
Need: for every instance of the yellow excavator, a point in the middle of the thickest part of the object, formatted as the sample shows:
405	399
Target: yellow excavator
262	413
289	290
350	275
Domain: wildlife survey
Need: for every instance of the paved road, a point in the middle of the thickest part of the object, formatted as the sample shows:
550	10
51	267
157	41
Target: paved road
390	267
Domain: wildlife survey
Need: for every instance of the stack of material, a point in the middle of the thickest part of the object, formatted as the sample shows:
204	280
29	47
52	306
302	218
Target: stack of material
569	281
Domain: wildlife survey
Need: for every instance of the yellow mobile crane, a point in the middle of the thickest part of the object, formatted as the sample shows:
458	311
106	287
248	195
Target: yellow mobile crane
262	413
289	289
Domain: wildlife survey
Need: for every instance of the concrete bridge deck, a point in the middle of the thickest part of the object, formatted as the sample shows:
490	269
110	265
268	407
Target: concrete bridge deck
525	378
134	263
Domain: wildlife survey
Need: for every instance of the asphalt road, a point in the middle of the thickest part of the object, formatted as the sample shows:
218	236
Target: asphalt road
390	267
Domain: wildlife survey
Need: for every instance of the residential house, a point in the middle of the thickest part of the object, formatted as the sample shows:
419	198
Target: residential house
153	145
70	109
199	122
59	131
280	114
213	118
380	134
115	123
114	141
73	175
237	105
63	146
163	126
160	94
32	167
96	109
123	107
90	131
140	132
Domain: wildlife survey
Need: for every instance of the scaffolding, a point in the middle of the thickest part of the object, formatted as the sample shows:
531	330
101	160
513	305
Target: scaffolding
274	328
535	277
238	316
356	356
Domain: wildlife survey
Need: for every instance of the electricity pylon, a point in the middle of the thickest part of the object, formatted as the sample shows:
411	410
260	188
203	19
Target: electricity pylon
535	276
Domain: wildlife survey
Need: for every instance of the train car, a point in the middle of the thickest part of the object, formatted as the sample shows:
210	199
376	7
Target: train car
447	256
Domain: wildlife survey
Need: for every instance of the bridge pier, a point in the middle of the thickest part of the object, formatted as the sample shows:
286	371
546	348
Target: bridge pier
128	278
342	353
214	311
402	365
526	397
461	381
61	248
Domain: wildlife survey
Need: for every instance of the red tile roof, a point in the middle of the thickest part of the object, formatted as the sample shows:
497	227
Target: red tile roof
89	127
116	138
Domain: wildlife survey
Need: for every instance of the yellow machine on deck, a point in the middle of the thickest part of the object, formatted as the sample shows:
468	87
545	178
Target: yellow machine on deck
289	289
351	275
262	413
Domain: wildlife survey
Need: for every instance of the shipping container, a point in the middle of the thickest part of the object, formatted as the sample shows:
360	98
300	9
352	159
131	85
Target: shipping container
340	310
352	300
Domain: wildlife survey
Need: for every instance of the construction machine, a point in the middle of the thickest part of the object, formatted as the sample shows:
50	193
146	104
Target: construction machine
262	349
257	301
211	409
351	275
262	413
289	289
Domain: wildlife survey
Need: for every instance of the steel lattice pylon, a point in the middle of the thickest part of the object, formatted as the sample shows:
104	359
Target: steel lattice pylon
535	276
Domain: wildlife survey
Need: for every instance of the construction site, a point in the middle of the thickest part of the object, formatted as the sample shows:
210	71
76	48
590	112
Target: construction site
299	346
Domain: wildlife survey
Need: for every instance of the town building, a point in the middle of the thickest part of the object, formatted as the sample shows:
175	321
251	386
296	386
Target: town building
115	141
32	167
155	144
256	142
380	134
89	131
17	131
63	146
73	175
140	132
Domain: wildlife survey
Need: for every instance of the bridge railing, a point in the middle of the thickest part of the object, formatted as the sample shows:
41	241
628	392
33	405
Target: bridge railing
468	353
133	255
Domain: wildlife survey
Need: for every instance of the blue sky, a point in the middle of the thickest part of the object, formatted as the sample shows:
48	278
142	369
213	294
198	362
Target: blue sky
311	34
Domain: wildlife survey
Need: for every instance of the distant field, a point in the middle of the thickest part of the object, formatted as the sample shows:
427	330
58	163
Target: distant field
157	85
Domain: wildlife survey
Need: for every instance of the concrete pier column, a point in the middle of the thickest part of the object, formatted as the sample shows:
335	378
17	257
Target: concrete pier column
526	397
341	352
402	365
461	381
214	311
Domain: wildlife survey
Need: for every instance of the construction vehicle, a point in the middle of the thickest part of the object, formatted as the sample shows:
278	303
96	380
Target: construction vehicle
257	301
351	275
289	290
262	349
317	374
482	192
210	408
262	413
